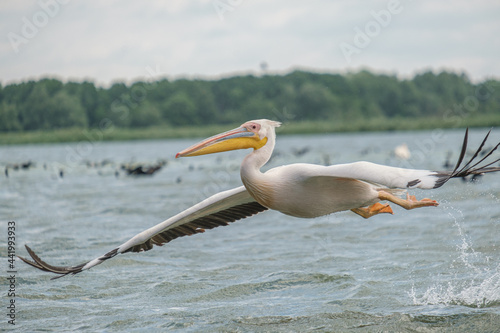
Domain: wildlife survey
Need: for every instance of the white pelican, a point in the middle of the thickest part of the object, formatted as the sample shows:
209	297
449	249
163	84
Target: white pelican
301	190
402	151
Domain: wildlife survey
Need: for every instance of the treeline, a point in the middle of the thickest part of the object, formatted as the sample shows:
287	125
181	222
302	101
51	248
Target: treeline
298	96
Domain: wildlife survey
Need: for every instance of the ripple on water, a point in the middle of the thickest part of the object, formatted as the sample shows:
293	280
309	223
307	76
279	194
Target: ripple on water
275	282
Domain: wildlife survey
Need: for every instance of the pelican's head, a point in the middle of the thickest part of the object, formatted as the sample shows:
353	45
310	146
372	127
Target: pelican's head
252	134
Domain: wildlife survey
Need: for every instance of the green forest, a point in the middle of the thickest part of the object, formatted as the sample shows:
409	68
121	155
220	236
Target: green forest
436	99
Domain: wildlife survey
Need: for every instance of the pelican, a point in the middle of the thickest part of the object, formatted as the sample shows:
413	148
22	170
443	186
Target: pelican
300	190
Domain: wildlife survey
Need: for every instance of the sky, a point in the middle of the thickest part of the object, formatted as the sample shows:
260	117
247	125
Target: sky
109	40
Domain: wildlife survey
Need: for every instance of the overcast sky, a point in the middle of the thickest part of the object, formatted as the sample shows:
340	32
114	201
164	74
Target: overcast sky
126	40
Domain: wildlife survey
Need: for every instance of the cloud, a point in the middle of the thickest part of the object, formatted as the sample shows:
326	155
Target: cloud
112	40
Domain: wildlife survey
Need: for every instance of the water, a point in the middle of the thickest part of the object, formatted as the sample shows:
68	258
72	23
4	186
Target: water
430	269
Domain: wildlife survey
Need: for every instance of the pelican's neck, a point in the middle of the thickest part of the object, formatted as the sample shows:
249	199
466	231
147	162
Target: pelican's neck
256	182
250	167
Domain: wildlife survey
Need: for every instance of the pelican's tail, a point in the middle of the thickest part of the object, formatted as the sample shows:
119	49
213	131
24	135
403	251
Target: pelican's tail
472	167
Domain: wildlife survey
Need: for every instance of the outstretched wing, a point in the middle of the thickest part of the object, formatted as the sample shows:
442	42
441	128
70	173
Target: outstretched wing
217	210
393	177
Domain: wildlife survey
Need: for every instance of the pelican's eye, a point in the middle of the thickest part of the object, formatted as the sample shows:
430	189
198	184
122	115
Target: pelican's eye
253	127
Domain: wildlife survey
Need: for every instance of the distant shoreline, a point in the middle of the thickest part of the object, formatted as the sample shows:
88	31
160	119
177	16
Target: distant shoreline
289	127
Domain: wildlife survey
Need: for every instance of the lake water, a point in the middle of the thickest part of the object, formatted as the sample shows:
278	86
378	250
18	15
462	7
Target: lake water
429	269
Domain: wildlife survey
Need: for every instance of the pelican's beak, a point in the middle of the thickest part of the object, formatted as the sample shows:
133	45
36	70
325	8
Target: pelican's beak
238	138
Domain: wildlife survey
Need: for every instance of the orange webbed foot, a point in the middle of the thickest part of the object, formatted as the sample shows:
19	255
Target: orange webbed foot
376	208
414	203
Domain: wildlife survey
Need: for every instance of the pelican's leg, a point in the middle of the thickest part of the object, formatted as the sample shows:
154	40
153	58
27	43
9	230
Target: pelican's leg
410	202
374	209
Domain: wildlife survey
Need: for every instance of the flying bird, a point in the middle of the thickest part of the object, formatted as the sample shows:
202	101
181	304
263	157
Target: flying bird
300	190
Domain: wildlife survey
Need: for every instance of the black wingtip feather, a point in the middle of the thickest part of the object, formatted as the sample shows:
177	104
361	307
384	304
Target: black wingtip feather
42	265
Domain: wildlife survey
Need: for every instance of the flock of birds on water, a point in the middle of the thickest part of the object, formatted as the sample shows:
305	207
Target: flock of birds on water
130	169
141	169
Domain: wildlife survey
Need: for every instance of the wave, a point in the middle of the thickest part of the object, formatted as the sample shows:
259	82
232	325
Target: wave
274	282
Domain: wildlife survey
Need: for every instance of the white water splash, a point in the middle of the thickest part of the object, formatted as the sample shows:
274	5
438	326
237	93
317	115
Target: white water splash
476	293
481	290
